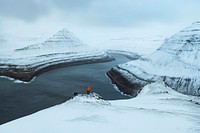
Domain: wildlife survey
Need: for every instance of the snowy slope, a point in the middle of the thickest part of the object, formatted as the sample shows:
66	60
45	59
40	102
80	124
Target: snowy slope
157	109
141	45
10	41
61	42
63	47
177	62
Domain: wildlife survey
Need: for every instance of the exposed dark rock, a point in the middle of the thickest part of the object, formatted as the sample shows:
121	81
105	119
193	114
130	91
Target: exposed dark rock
124	84
26	73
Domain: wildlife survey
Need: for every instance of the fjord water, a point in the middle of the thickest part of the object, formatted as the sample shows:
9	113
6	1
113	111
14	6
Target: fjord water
55	87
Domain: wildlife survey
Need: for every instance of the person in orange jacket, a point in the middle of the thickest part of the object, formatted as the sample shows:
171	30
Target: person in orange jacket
88	90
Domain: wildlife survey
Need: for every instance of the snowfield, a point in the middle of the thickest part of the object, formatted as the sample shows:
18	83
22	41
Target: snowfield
157	109
141	45
176	62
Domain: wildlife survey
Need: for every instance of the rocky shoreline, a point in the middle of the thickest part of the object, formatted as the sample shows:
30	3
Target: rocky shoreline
123	84
131	84
27	73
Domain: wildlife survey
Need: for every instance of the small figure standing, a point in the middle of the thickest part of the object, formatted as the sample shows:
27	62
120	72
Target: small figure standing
88	90
75	93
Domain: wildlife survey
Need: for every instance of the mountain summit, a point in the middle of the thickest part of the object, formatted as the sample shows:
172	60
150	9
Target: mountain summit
60	42
64	36
185	45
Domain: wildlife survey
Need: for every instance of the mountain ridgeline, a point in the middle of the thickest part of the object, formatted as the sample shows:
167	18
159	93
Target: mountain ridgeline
62	41
176	63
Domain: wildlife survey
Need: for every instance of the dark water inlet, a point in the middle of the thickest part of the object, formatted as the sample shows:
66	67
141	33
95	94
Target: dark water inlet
55	87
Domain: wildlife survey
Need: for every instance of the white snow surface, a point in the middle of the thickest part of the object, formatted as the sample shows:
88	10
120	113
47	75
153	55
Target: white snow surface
142	45
63	45
10	41
157	109
118	40
179	56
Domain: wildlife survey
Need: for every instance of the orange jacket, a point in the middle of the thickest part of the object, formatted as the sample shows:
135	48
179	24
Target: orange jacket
88	89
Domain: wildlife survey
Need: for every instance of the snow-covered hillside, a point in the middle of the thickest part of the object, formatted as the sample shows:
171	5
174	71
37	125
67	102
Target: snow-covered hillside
11	41
157	109
62	48
176	62
61	42
140	45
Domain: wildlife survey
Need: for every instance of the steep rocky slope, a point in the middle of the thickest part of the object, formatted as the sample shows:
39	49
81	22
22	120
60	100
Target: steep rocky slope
176	63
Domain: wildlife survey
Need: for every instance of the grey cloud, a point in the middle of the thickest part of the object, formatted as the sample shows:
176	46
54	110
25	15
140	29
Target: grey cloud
129	12
103	12
28	10
73	5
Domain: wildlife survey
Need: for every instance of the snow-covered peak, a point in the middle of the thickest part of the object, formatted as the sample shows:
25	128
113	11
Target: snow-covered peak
197	22
186	40
195	27
64	36
179	56
185	45
61	42
63	39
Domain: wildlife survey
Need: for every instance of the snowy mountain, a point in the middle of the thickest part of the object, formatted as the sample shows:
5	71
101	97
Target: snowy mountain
64	37
185	46
62	49
176	62
61	42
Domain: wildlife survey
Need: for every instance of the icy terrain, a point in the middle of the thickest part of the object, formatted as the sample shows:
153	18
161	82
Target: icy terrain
157	109
136	44
176	62
10	41
62	48
62	42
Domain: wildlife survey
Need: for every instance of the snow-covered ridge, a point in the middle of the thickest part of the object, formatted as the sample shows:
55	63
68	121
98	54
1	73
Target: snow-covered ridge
62	48
61	42
63	38
176	62
185	45
157	109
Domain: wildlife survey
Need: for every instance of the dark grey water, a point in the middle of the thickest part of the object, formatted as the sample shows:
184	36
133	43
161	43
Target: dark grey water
55	87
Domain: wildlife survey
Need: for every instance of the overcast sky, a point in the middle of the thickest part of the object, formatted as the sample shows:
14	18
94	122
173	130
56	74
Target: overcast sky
50	15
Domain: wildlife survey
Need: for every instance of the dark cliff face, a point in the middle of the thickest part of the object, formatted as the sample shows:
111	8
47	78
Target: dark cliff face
27	73
176	63
133	87
123	84
184	85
